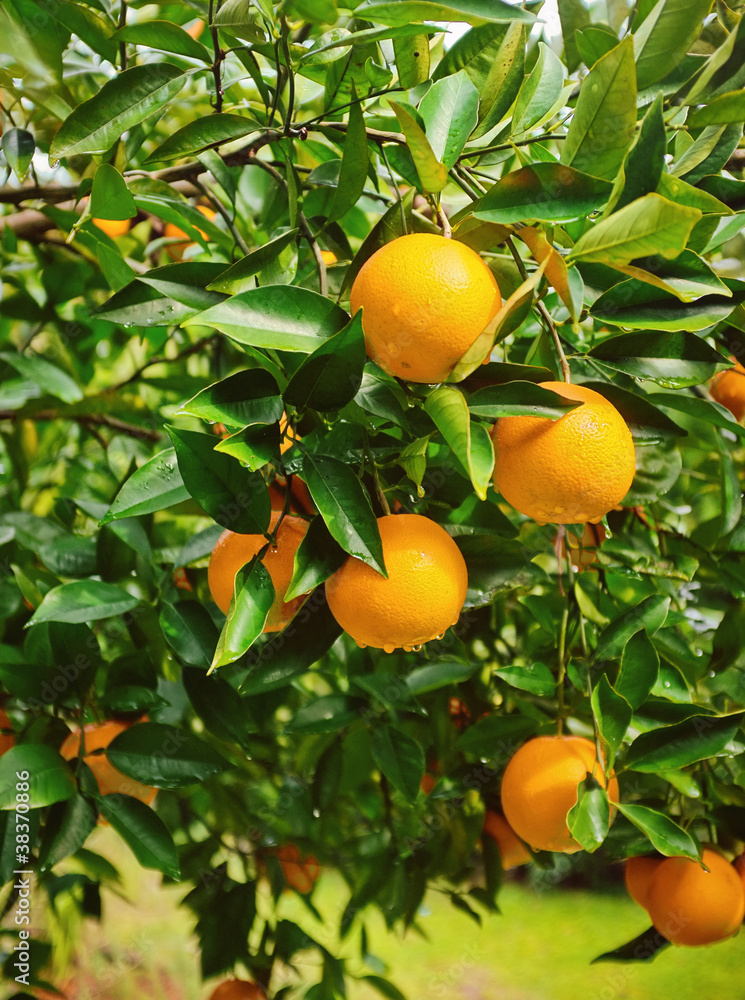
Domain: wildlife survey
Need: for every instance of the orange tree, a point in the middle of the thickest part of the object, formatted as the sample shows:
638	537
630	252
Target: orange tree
189	193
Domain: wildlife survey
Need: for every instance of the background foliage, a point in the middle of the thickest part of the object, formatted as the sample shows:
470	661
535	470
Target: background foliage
601	179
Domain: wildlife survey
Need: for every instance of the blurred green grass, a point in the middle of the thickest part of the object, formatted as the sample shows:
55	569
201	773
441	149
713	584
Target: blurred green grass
539	947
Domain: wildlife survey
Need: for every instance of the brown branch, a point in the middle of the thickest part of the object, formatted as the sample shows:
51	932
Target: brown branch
100	419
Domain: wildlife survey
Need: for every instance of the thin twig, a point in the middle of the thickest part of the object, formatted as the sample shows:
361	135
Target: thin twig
216	72
191	349
290	76
122	23
507	145
101	419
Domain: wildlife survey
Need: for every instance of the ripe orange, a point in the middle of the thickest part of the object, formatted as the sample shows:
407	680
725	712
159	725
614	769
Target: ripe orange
423	595
328	257
109	780
426	299
638	874
113	227
176	250
428	782
232	551
237	989
569	470
689	906
539	787
7	740
728	389
511	848
583	551
300	872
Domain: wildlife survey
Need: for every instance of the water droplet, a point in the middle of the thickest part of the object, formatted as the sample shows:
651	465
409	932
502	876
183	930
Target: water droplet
442	634
388	647
417	648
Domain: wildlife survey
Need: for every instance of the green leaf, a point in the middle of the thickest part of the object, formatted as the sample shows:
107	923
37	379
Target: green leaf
47	376
496	736
110	196
400	759
291	652
154	486
164	756
354	164
89	28
722	111
248	397
664	835
519	399
730	488
19	147
723	71
595	41
204	133
450	112
327	714
613	714
317	557
502	83
589	818
239	277
345	507
219	706
650	225
574	16
675	189
279	317
331	376
673	747
471	11
699	409
432	174
470	442
143	831
604	120
665	36
68	826
547	192
384	987
190	632
83	601
643	948
673	359
540	90
687	277
316	11
253	597
650	614
639	305
166	36
234	497
640	664
125	101
412	59
50	779
533	677
709	153
439	675
644	163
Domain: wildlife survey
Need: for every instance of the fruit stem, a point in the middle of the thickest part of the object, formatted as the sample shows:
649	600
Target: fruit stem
545	315
447	231
379	492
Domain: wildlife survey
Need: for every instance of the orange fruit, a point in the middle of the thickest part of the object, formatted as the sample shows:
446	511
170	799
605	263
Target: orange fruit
583	551
539	787
300	872
7	740
422	596
690	906
428	782
233	550
569	470
638	874
728	389
181	579
237	989
300	499
113	227
328	257
176	250
426	299
459	712
109	780
511	848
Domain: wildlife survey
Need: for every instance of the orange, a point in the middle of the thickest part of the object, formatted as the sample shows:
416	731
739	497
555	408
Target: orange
176	250
569	470
232	551
428	782
426	299
300	499
328	257
423	594
539	787
511	848
638	874
300	872
181	579
7	740
113	227
583	551
109	780
690	906
728	389
237	989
